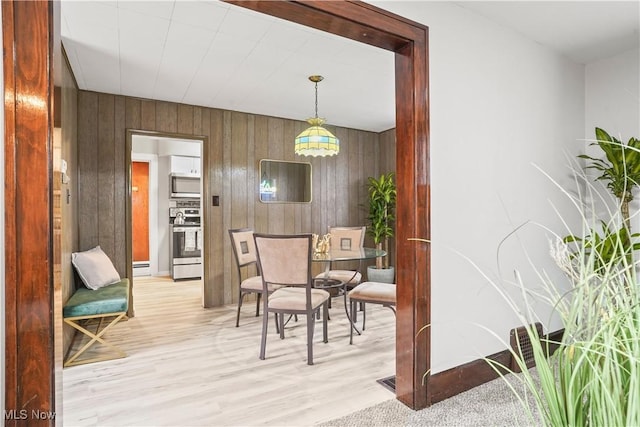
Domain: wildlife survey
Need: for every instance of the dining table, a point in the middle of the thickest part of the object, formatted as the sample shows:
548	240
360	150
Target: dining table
336	254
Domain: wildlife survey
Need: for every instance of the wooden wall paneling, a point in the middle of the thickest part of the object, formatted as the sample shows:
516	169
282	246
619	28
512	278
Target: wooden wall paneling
166	117
342	178
238	169
239	179
69	130
133	113
88	170
185	119
286	148
352	173
219	162
106	180
276	210
252	171
261	151
148	115
120	192
235	144
212	173
28	283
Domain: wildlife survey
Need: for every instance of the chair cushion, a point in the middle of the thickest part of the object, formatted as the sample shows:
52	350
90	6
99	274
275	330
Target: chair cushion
254	284
374	292
345	276
289	298
108	299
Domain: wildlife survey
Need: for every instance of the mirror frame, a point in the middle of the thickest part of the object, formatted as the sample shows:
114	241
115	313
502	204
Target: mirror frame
310	186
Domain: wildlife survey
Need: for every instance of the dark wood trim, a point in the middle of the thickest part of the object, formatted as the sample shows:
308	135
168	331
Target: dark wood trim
465	377
462	378
409	40
28	88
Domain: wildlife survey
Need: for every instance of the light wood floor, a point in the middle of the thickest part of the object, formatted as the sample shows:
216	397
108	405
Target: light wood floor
189	366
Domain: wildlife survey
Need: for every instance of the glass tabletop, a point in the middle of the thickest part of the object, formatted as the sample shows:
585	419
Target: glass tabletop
355	254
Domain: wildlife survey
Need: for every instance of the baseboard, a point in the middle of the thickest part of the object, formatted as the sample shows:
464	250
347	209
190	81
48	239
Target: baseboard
459	379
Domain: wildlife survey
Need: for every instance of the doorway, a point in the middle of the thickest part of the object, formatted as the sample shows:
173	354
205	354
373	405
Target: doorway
163	154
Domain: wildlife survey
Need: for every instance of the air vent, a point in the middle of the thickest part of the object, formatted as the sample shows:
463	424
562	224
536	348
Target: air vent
521	344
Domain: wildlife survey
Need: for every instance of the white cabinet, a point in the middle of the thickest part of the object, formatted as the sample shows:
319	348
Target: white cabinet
185	164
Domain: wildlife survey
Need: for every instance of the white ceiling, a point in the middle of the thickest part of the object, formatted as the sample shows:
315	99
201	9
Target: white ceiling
213	54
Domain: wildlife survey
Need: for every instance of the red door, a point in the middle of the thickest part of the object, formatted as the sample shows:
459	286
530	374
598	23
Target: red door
140	210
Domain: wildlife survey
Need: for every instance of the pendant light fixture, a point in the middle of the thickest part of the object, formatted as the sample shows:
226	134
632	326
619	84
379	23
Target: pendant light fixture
316	140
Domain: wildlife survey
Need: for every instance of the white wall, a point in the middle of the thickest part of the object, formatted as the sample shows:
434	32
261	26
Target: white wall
612	88
612	97
499	104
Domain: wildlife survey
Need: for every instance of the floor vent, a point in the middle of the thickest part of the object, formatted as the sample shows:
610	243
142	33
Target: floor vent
389	383
521	344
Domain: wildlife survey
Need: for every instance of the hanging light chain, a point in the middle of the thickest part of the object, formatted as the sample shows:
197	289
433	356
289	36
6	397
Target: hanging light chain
316	99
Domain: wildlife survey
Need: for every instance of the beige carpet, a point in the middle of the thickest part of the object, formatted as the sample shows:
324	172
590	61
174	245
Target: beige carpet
491	404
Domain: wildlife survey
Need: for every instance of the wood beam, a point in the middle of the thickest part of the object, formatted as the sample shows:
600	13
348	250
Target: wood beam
28	89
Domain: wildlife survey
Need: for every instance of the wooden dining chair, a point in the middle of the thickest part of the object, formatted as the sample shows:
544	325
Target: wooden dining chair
285	260
244	251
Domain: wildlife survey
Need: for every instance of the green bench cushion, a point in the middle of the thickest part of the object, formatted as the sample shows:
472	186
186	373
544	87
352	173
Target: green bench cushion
109	299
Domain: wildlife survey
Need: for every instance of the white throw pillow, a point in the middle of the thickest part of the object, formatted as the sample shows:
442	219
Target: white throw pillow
95	268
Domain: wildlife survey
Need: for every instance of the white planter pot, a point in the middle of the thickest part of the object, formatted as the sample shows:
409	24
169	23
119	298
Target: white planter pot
384	275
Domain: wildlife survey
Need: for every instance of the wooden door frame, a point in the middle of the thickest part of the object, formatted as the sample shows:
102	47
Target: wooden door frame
204	208
409	40
28	30
31	366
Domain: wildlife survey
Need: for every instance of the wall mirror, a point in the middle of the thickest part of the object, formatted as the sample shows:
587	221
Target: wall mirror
285	182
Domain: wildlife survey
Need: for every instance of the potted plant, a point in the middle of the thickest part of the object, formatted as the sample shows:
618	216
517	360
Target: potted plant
382	204
620	169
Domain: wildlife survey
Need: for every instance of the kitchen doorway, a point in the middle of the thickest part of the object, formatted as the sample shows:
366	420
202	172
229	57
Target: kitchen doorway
151	224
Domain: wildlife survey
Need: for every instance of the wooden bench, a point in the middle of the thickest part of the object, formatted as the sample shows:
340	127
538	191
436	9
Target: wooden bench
103	307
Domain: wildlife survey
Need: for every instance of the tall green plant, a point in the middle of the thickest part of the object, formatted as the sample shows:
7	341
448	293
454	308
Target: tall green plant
607	249
593	378
382	204
620	169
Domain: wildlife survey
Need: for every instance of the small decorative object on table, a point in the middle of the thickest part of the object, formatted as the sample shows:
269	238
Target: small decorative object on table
321	245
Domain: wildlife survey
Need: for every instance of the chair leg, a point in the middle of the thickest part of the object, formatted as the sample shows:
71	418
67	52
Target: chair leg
351	326
258	304
281	318
364	314
240	298
325	319
311	323
265	324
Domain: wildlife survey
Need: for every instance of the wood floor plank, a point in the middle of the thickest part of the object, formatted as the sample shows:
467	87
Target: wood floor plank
187	365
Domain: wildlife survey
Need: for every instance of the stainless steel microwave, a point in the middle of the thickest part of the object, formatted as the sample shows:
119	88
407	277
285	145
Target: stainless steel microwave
184	185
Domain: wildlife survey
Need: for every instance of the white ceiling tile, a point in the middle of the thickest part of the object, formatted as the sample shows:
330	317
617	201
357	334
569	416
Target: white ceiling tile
161	9
241	25
89	14
207	15
135	25
188	35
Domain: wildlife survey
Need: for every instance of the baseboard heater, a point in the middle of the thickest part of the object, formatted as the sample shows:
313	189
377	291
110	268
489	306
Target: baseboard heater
521	344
